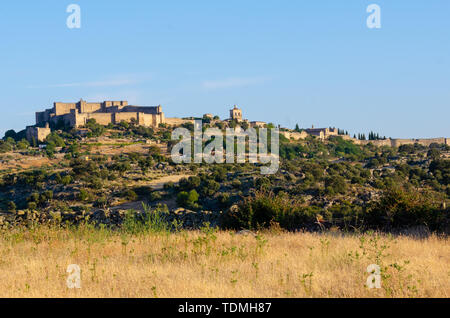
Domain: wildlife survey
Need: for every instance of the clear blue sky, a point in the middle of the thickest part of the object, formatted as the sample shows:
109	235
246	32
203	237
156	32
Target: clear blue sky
287	62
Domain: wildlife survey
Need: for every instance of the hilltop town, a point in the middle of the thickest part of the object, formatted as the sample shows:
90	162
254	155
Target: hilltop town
98	160
76	115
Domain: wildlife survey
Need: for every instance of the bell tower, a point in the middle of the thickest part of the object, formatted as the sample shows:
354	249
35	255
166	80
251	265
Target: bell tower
236	113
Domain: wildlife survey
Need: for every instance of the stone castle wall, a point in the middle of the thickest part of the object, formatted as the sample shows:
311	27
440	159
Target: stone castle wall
37	134
172	121
294	135
104	113
399	142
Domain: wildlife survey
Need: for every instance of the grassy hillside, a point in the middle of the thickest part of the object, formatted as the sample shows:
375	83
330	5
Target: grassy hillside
335	183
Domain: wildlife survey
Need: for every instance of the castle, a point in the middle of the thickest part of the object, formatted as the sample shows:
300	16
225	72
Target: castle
113	112
104	113
326	133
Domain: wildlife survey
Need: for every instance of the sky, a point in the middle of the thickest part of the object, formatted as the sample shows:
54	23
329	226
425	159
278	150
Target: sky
287	62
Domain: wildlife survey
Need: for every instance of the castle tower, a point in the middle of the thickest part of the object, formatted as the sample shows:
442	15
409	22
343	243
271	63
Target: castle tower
236	114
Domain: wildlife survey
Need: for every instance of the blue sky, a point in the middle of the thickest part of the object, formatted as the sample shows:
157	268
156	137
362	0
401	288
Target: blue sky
287	62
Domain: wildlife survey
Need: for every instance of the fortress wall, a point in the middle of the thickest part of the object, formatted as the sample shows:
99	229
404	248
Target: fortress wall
100	118
42	117
90	107
37	134
147	120
378	143
110	103
142	109
332	132
177	121
423	142
294	135
158	119
347	137
63	108
111	109
399	142
68	119
125	117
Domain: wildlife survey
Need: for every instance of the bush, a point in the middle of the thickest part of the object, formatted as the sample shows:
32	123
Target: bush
398	208
131	195
54	140
335	184
66	180
150	221
32	205
11	206
155	196
96	130
210	187
187	199
83	195
265	208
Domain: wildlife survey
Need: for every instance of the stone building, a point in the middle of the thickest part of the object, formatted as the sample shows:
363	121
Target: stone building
260	124
107	112
236	114
37	134
322	133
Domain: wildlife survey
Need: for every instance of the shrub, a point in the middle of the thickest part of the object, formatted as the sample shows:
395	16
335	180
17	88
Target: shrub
266	207
54	140
150	221
399	208
335	184
187	199
210	187
66	180
83	195
32	205
155	196
11	206
131	195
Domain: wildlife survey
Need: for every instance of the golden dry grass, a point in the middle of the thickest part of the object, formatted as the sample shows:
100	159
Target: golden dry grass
33	263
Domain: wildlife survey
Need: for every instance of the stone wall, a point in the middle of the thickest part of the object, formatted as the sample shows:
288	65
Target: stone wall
90	107
63	108
400	142
37	134
104	113
118	117
142	109
101	118
424	142
173	121
294	134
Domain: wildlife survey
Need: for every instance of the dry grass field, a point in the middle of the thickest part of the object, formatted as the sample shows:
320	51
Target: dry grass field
206	263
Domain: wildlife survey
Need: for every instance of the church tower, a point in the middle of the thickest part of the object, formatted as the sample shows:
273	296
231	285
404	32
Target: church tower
236	114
